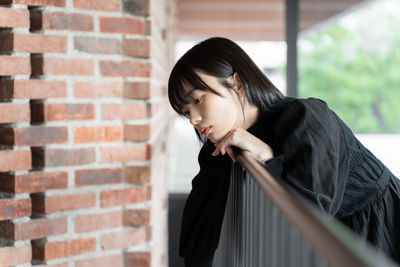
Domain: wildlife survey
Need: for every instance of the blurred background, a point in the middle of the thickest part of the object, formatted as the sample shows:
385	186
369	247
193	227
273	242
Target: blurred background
347	54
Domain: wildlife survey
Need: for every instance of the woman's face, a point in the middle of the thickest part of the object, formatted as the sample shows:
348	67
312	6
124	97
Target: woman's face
212	115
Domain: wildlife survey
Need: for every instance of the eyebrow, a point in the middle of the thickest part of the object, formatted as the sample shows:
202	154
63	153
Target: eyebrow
191	92
188	95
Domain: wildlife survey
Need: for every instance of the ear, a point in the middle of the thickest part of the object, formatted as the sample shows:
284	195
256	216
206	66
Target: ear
238	83
236	78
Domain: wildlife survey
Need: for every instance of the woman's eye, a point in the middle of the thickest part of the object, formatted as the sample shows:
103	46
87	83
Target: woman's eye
197	100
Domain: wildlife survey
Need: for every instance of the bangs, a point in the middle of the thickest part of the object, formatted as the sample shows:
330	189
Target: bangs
180	84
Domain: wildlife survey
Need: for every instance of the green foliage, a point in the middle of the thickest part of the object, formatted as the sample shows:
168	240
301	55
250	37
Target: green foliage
362	86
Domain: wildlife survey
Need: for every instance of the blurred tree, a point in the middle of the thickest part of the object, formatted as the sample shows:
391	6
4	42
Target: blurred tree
362	85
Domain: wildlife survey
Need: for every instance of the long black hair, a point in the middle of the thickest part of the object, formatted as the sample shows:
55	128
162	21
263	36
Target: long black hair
221	58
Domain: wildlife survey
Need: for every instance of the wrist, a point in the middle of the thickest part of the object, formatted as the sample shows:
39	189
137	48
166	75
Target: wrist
266	158
266	155
263	151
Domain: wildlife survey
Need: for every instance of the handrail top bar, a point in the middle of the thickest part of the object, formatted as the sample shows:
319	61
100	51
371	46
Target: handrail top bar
322	239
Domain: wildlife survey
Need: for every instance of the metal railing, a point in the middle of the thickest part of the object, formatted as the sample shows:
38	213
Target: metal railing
267	225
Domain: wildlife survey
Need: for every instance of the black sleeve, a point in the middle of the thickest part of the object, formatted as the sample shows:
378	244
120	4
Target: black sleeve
199	259
204	209
312	157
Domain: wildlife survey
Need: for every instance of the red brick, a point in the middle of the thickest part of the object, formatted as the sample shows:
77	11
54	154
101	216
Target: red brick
10	113
137	90
125	68
48	20
33	136
43	112
125	111
14	18
43	65
122	197
33	229
39	89
122	25
62	157
49	204
14	208
137	7
123	153
33	43
33	182
98	89
123	239
14	65
105	261
137	259
12	160
97	177
137	47
46	250
32	89
139	217
58	3
141	132
93	222
98	134
96	45
10	256
137	174
102	5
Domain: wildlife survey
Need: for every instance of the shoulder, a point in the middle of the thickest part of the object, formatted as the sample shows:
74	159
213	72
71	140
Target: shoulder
301	109
306	115
292	109
307	105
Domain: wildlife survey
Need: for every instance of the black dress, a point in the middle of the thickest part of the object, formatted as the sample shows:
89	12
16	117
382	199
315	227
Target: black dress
317	155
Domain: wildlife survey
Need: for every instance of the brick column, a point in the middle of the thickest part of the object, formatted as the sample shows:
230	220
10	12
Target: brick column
84	130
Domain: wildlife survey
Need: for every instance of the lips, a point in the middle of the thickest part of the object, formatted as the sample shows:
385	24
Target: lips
204	131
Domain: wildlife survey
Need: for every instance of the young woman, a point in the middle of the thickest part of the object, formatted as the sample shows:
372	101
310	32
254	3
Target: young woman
232	104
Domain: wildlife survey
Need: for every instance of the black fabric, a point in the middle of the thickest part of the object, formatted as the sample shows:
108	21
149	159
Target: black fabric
317	155
199	258
312	153
204	209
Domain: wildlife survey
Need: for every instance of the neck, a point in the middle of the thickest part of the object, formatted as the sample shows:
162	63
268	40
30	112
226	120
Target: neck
251	115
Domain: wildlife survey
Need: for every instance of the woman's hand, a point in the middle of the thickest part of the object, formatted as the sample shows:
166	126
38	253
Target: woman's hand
244	140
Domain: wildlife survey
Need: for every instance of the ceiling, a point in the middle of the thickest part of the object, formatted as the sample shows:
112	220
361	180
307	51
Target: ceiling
252	20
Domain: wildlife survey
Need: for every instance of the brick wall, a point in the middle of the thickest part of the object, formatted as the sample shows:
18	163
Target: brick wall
84	130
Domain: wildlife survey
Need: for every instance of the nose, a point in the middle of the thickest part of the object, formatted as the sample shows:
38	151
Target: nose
194	117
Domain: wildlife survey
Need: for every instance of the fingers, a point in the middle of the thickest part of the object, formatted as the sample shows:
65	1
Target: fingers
223	147
220	148
216	151
227	149
244	141
223	144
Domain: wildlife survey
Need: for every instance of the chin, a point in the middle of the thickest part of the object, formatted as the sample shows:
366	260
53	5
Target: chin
211	138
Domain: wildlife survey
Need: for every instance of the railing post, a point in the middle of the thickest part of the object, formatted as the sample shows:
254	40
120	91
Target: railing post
292	27
266	224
